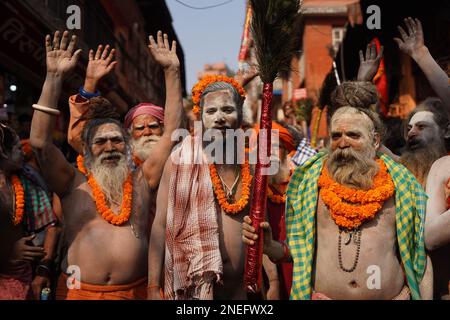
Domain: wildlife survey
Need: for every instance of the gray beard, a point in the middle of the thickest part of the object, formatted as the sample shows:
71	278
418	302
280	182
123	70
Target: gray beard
420	160
111	179
143	146
354	169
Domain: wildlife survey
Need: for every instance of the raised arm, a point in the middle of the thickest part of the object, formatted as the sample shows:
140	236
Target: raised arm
61	59
157	244
100	64
167	58
412	44
369	65
437	222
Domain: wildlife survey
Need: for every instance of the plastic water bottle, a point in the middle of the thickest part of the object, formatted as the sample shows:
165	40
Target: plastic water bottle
45	294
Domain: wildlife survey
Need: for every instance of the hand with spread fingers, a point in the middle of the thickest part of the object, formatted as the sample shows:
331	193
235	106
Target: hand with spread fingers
161	51
412	42
100	64
368	65
243	77
61	58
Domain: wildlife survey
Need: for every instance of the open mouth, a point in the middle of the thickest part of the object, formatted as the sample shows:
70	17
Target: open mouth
111	158
414	143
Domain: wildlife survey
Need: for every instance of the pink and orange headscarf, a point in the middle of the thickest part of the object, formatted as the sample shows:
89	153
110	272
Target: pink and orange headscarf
144	109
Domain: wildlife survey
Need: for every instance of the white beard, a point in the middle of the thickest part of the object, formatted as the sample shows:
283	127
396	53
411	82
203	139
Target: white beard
143	146
111	179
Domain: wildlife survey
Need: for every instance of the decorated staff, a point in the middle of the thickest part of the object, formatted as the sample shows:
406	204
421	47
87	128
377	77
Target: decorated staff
273	27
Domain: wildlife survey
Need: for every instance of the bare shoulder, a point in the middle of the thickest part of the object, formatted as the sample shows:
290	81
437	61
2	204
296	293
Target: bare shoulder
442	164
440	170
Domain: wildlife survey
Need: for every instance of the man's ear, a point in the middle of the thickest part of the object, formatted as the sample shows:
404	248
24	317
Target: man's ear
376	140
447	132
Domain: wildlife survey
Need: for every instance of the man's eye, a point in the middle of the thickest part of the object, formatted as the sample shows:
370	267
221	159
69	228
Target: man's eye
139	128
154	126
335	136
228	110
210	111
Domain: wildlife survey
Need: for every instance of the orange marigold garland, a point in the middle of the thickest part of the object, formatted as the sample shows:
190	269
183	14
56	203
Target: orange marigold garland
238	206
100	200
275	198
137	161
19	195
350	207
198	89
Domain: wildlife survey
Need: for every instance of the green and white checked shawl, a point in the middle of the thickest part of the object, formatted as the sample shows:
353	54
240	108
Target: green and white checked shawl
302	193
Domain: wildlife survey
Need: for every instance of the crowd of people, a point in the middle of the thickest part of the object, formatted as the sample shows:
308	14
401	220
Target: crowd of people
145	213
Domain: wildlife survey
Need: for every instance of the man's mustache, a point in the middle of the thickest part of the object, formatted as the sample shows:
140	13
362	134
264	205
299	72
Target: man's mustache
152	138
347	154
414	142
110	155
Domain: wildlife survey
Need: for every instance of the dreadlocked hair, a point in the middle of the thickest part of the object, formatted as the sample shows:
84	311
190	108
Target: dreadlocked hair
356	94
99	108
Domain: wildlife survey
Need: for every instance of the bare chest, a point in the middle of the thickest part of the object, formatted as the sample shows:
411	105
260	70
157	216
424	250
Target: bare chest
81	210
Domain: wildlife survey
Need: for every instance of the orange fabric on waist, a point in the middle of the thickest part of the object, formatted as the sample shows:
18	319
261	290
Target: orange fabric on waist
133	291
403	295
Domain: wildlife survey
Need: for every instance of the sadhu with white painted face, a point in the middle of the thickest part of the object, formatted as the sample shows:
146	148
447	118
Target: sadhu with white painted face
201	204
354	228
106	200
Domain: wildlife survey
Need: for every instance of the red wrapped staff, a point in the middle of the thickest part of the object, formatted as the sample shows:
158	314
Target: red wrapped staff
274	33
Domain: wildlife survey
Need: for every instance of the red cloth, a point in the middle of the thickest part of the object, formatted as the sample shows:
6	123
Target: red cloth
278	224
143	108
16	284
380	81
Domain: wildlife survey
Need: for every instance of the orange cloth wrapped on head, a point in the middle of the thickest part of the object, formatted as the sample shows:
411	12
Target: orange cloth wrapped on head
286	137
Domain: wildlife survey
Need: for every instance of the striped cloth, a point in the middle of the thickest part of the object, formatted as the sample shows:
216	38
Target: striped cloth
193	261
303	153
38	201
302	193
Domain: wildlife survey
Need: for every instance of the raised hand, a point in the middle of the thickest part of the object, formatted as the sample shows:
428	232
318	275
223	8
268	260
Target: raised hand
101	63
61	58
412	42
369	65
162	53
243	77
